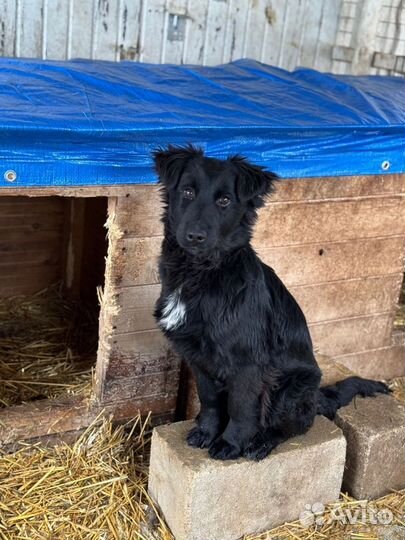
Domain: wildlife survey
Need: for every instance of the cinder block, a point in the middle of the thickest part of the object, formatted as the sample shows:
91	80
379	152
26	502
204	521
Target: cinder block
375	432
205	499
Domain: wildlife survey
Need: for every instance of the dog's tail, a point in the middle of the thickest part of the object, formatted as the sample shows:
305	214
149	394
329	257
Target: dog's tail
337	395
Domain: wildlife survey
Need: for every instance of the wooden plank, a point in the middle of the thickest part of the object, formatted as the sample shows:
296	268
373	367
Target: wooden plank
8	15
94	249
129	30
363	37
256	29
282	224
348	298
136	260
357	334
236	20
56	30
30	21
310	32
63	191
288	189
129	388
194	42
81	31
41	256
47	417
326	35
30	244
383	363
105	30
24	205
304	265
292	31
320	302
27	223
28	282
138	353
139	213
74	245
275	13
175	32
152	33
215	34
18	245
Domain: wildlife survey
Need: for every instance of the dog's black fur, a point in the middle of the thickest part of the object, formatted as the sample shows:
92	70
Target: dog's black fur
233	321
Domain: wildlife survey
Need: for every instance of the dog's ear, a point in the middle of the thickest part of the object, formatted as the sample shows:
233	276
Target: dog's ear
253	182
170	162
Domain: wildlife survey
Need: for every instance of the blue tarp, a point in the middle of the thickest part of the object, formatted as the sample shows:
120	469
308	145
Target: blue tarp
89	122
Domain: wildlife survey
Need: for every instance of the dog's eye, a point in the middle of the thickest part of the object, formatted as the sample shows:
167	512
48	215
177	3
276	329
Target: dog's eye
223	201
188	193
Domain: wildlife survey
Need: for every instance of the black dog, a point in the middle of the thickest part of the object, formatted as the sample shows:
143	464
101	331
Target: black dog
229	315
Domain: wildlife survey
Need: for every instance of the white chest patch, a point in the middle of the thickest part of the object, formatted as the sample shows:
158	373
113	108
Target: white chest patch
174	312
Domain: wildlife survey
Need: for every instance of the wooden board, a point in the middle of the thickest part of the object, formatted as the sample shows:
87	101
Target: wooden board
357	334
320	302
337	243
283	32
382	363
139	212
292	189
31	246
136	260
48	417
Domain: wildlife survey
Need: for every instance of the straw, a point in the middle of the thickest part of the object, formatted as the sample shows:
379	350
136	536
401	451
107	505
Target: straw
96	489
47	347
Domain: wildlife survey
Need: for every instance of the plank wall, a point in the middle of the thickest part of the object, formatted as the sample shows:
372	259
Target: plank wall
338	243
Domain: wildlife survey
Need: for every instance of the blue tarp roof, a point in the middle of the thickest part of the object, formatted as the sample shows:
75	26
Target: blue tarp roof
89	122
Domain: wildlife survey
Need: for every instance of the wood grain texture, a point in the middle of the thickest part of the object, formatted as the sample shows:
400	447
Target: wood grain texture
288	189
296	265
338	244
139	213
142	364
31	246
320	302
48	417
357	334
382	363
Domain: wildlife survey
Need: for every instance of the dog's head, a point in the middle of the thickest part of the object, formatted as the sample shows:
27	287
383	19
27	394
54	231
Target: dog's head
210	203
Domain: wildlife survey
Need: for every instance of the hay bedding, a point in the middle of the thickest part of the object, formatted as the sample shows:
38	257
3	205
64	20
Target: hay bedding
45	348
96	490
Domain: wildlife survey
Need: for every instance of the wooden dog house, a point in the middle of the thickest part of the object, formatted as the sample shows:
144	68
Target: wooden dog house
338	241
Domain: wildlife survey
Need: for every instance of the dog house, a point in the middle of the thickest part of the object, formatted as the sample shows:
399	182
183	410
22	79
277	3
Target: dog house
79	206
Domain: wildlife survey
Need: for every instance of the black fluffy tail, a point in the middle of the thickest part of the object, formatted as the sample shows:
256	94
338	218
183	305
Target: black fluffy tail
334	396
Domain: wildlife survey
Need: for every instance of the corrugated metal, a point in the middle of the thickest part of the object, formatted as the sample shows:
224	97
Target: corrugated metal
286	33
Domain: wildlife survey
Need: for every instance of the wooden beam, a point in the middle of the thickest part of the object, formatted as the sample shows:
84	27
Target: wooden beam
48	417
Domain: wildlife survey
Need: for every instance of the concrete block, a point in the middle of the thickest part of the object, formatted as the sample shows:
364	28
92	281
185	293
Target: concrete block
375	432
205	499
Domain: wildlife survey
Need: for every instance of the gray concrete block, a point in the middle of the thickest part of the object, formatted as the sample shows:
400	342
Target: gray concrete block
205	499
375	433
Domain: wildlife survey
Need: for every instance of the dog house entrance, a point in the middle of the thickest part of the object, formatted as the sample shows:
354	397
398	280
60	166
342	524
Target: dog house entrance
52	259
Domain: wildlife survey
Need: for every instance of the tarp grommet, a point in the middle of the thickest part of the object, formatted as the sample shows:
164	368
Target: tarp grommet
385	165
10	176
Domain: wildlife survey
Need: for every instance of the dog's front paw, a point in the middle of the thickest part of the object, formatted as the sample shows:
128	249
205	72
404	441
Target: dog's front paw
222	449
199	438
258	449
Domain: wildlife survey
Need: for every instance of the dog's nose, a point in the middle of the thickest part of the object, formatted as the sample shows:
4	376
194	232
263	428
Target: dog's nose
196	237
